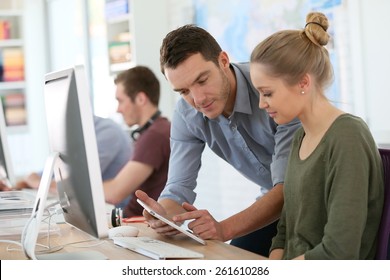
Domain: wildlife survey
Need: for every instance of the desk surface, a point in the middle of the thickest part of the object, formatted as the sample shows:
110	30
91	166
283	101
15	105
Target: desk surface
68	235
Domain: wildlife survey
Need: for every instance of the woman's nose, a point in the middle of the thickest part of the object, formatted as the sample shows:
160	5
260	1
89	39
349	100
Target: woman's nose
262	103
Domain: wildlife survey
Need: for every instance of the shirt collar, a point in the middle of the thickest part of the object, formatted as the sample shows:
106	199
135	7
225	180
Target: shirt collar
242	104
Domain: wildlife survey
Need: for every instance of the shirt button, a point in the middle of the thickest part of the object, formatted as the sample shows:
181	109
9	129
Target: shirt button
262	169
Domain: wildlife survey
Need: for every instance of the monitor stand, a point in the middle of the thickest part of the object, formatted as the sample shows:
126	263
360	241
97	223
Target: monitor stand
32	227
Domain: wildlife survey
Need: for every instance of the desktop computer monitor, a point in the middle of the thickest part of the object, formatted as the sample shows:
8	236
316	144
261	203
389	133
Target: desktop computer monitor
74	159
6	170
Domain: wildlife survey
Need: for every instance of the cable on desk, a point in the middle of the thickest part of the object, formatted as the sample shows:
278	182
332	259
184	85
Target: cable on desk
59	247
48	248
11	241
18	243
10	249
26	227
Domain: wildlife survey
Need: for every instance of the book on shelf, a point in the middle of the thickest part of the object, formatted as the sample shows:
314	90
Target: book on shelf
5	33
15	109
12	61
116	8
119	52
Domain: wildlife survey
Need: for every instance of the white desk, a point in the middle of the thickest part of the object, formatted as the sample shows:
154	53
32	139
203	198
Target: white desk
214	250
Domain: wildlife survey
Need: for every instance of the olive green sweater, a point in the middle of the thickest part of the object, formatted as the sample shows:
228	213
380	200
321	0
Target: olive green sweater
333	199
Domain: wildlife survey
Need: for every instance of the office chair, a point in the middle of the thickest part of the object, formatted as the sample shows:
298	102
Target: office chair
383	252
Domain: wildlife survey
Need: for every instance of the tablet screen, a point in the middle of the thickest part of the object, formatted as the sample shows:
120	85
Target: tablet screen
171	223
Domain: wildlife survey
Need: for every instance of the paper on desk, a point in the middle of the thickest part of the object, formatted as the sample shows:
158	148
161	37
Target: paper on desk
16	200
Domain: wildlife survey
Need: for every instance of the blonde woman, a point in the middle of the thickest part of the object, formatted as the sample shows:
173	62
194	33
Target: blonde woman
333	189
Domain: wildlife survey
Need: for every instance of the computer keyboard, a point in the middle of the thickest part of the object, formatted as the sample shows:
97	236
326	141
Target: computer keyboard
155	249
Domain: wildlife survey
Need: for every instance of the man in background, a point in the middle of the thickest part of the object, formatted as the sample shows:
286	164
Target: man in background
138	94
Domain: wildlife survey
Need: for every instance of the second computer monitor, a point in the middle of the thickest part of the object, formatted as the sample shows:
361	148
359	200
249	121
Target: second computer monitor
6	170
72	135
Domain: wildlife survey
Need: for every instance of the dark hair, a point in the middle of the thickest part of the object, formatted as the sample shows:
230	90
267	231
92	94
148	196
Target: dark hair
292	53
140	78
185	41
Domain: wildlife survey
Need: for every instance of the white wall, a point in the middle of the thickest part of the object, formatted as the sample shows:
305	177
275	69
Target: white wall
370	40
150	27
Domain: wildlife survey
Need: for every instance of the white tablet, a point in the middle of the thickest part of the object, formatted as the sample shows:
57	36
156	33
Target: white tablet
171	223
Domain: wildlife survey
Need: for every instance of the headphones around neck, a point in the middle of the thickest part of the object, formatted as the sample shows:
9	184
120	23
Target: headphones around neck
137	132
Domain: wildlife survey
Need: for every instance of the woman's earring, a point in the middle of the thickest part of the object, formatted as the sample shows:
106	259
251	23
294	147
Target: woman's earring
302	92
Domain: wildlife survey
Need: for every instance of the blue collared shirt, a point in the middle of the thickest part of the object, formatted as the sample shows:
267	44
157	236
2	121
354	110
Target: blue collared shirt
249	140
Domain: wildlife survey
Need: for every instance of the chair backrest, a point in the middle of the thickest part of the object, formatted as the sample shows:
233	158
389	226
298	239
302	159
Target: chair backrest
383	252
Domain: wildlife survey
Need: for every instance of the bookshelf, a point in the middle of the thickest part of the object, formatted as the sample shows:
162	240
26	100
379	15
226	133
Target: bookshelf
119	35
140	25
12	64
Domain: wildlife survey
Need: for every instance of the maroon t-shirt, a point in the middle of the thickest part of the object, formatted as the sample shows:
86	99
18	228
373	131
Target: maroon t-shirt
151	148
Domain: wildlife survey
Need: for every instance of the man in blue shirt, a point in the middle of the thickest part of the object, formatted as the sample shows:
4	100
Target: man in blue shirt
220	108
115	149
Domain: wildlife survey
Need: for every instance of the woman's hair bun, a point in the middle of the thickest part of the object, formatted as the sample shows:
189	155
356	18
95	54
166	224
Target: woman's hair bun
316	28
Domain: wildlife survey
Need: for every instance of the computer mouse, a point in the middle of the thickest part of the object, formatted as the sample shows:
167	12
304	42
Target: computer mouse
123	231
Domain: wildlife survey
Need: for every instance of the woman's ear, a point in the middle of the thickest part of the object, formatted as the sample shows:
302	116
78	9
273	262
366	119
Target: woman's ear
305	82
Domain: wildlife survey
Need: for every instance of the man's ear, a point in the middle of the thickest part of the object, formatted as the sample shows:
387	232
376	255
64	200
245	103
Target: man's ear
141	98
224	60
